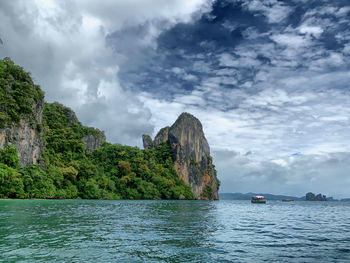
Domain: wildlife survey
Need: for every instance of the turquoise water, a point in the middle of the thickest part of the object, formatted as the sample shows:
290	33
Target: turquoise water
173	231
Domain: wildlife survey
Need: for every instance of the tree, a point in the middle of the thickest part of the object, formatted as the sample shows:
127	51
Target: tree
11	184
9	156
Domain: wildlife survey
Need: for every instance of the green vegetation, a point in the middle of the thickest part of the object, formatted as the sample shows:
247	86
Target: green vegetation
9	156
138	174
112	171
18	94
208	191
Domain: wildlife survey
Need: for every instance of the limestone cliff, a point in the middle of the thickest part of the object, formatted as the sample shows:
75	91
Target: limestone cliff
191	155
26	136
94	141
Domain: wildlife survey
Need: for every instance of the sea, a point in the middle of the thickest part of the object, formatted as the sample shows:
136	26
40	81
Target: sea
173	231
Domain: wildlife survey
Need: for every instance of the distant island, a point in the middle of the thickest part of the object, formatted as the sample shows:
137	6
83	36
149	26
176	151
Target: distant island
46	152
247	196
308	197
312	197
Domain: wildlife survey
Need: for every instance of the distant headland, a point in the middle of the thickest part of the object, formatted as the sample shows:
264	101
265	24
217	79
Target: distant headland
312	197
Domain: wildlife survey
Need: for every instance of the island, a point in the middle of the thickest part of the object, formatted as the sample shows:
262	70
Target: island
312	197
46	152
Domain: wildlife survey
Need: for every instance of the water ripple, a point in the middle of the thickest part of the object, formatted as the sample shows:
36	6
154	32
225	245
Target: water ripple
173	231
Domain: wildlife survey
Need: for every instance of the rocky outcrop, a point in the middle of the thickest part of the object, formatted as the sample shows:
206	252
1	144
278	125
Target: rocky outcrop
312	197
147	141
191	155
94	141
26	136
162	136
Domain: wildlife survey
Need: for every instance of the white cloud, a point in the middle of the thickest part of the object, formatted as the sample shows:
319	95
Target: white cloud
293	175
274	10
182	73
332	59
290	40
242	59
280	162
64	45
335	118
227	60
273	123
315	31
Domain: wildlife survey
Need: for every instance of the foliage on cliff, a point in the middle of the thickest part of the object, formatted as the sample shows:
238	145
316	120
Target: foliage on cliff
109	172
17	93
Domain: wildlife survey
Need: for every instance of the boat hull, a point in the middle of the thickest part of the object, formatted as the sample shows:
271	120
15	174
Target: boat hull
258	201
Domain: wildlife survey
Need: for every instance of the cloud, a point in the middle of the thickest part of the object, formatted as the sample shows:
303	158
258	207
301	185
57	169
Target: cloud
66	46
274	10
243	58
290	40
315	31
279	90
294	175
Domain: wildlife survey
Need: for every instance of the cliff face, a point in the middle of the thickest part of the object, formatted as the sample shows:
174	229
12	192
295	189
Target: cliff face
191	155
26	136
92	141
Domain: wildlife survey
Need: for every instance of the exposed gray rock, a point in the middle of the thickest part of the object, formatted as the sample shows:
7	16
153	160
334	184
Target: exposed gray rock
162	136
27	137
191	155
182	197
93	141
147	141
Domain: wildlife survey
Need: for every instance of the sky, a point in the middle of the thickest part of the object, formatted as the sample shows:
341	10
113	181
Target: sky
269	80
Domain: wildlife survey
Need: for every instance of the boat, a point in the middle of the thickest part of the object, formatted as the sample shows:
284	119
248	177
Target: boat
258	199
287	200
